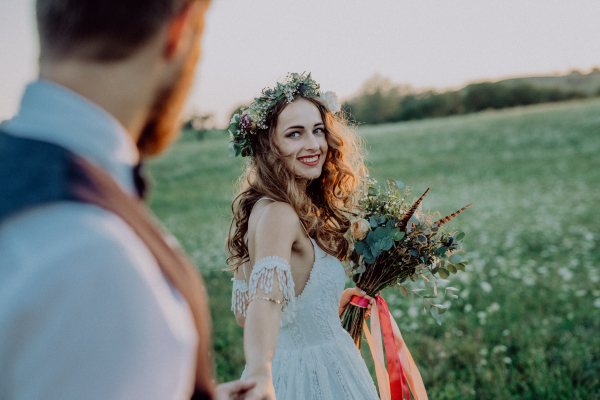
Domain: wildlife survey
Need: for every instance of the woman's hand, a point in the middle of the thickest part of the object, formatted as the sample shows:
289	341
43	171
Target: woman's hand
233	390
347	295
263	390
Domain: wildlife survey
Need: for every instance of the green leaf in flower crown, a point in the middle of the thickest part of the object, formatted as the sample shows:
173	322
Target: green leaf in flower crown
413	252
451	268
371	191
442	250
237	148
231	149
422	239
460	236
435	269
443	273
455	258
400	184
361	248
374	221
382	219
460	266
390	224
233	127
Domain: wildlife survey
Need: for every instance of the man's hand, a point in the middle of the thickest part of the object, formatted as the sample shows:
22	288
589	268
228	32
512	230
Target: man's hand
235	390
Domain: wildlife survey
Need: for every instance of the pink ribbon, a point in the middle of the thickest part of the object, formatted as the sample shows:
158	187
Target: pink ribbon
401	366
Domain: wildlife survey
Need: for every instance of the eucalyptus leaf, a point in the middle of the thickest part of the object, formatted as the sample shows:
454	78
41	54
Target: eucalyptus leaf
451	268
461	266
386	243
370	239
443	272
404	291
439	319
452	288
400	184
434	312
398	235
455	258
431	296
361	248
374	221
441	311
460	236
413	252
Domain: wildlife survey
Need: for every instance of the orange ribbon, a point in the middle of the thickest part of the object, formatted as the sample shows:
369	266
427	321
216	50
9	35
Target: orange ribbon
402	368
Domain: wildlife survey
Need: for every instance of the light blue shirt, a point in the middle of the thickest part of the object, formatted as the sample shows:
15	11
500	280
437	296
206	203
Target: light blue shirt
85	312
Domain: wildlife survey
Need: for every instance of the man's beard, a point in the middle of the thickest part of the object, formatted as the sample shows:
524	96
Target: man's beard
163	124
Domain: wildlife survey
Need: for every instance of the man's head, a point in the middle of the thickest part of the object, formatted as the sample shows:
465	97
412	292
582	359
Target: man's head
164	35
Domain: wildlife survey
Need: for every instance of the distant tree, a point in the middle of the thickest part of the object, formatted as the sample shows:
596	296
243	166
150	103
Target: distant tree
199	123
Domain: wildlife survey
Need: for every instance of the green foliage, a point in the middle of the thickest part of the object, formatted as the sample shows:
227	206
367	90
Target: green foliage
526	321
380	101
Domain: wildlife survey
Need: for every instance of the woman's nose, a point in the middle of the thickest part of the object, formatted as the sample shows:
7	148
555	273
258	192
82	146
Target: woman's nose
311	142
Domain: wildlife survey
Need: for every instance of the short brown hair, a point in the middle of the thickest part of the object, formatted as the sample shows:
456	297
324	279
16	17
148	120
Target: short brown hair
100	30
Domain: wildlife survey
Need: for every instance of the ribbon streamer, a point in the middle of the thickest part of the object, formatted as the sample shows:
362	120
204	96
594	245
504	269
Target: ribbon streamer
401	366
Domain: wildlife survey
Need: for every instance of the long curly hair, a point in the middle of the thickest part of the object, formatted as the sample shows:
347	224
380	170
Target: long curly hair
328	201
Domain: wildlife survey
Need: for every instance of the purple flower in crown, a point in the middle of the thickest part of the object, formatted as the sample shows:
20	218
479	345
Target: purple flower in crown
246	122
249	120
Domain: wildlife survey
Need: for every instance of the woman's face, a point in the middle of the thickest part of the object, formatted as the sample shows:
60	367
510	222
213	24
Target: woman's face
300	137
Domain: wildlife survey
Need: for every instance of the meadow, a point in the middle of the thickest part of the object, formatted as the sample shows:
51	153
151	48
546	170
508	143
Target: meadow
526	324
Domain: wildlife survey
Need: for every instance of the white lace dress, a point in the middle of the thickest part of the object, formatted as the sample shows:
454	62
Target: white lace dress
315	357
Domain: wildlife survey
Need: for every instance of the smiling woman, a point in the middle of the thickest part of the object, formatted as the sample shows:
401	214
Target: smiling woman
286	240
300	137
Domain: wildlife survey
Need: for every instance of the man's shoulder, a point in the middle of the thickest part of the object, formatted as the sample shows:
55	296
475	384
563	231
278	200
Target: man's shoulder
57	239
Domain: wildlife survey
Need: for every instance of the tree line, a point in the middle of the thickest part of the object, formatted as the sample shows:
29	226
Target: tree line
380	101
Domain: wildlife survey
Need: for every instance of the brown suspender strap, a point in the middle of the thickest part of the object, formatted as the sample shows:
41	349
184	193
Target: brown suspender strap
92	185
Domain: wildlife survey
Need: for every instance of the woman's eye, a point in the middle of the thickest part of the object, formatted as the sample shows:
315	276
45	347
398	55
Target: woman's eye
294	134
319	130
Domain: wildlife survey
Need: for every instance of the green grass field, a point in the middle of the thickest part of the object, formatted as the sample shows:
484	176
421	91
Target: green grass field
527	321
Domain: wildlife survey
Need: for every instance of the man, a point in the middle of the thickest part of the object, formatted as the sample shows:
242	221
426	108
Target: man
94	302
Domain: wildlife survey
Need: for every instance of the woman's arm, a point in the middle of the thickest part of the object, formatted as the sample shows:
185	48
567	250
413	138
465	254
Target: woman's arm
276	231
240	296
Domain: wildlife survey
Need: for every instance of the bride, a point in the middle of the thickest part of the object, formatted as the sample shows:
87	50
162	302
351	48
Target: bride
286	240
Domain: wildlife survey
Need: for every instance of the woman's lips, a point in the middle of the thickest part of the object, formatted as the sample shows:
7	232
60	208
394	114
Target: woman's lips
311	161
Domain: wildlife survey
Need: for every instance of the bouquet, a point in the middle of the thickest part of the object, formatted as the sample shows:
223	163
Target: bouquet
393	242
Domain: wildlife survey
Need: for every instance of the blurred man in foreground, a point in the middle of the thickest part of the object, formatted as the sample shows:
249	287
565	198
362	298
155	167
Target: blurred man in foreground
96	302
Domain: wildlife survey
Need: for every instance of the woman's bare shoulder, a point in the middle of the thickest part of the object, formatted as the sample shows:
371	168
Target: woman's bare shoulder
275	223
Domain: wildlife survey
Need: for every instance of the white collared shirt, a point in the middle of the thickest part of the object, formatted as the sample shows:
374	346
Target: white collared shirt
85	312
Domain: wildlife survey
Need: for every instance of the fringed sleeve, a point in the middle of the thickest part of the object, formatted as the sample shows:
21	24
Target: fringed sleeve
263	276
239	297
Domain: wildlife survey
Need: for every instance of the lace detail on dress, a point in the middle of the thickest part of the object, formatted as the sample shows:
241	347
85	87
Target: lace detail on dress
239	296
262	276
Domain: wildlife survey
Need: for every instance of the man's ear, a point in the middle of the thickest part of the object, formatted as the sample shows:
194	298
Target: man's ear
182	27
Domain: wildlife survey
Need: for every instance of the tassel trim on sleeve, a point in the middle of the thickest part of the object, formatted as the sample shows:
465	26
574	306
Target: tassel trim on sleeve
262	275
239	296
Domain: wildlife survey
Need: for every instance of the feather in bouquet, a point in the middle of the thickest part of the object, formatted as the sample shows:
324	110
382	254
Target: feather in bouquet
394	243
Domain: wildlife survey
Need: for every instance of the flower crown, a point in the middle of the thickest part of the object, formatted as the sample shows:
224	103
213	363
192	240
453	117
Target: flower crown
252	118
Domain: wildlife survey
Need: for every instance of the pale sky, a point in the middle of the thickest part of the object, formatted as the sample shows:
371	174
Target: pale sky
249	45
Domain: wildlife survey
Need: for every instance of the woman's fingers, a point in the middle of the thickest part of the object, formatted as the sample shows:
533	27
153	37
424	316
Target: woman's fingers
361	293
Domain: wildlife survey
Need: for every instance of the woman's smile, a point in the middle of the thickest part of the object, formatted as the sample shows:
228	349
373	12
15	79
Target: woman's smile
310	160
